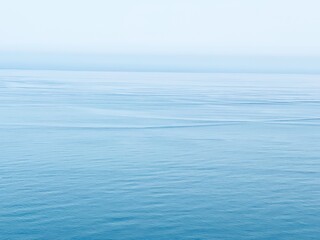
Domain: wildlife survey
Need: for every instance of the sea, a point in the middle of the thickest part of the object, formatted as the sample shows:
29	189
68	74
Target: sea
150	156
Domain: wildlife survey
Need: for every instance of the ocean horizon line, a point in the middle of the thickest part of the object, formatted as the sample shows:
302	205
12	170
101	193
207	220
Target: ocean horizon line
159	71
161	63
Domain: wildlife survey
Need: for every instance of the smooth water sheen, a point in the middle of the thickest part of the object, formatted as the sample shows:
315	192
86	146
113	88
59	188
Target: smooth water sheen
93	155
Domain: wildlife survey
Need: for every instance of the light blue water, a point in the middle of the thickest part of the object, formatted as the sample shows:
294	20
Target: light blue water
89	155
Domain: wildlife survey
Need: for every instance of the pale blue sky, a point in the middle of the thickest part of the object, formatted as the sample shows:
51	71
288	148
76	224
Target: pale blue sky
193	28
276	27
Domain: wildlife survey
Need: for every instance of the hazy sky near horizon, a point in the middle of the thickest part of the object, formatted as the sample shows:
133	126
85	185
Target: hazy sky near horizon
224	27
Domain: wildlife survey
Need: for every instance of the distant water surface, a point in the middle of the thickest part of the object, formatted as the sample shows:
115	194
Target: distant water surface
95	155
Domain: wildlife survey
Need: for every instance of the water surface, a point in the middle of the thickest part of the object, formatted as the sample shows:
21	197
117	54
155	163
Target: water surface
96	155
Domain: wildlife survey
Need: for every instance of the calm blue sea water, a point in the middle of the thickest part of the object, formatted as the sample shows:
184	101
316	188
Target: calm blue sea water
93	155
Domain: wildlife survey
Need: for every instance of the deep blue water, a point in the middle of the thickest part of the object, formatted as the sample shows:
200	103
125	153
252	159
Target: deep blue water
93	155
